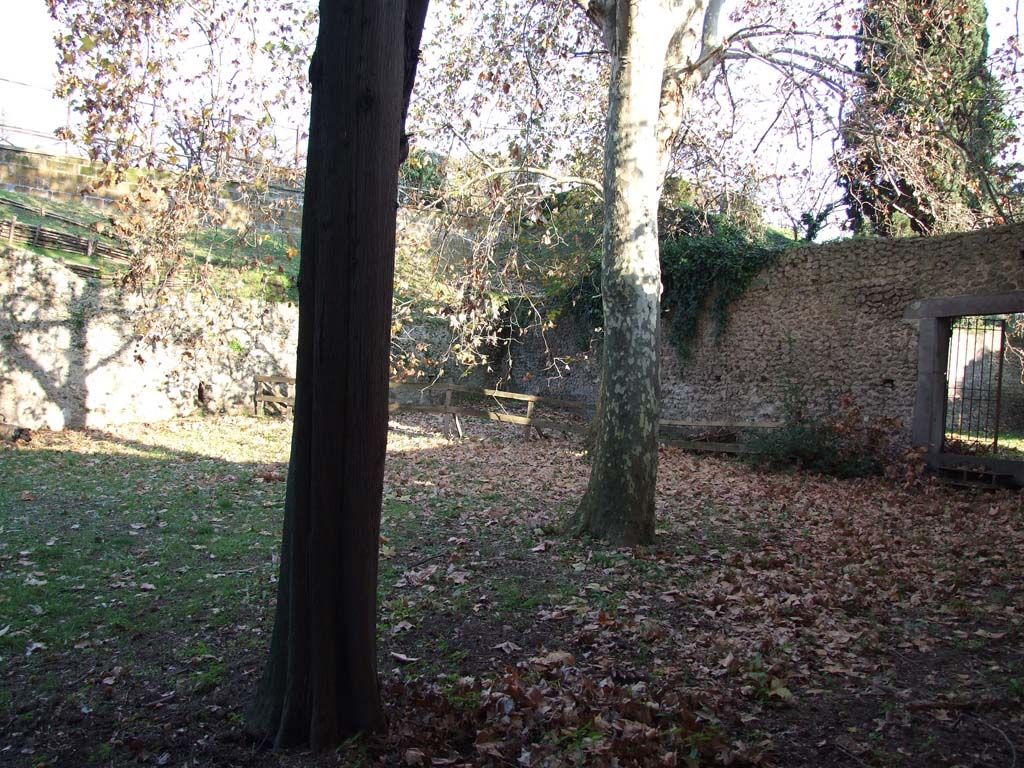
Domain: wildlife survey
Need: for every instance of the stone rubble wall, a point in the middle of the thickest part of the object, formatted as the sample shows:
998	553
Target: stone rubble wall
74	352
823	323
827	322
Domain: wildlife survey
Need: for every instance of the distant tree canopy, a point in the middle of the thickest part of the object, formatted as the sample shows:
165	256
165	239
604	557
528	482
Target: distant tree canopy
922	141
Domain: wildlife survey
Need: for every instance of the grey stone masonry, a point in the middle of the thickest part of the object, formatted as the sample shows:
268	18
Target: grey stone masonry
865	320
75	352
845	320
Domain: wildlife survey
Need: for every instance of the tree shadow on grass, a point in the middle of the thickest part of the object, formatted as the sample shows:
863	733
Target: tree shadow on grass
141	574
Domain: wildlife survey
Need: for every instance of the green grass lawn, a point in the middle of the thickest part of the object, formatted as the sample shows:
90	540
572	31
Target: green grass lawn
86	214
775	616
1009	446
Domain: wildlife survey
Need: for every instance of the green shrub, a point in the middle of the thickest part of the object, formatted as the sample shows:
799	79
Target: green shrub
842	445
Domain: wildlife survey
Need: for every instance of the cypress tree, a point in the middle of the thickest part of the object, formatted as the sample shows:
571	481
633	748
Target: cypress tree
922	140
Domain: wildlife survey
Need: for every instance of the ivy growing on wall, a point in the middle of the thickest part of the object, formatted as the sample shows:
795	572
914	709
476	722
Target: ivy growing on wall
703	257
707	259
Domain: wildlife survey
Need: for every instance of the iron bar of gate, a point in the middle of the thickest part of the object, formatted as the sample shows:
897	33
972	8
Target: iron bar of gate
999	383
979	413
986	358
955	397
951	369
992	380
958	390
961	377
977	404
971	364
951	380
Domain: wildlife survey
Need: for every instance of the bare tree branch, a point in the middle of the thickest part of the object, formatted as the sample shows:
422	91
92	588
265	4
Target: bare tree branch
558	178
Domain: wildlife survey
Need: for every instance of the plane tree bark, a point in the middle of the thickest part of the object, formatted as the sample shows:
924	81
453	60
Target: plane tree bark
320	682
661	50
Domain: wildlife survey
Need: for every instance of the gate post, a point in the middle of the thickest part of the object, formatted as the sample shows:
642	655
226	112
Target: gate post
928	429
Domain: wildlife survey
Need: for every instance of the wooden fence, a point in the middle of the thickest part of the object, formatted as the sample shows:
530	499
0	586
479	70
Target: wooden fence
12	232
40	210
574	416
275	390
272	389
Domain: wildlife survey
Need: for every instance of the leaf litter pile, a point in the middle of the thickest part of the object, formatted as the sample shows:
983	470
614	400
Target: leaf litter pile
779	620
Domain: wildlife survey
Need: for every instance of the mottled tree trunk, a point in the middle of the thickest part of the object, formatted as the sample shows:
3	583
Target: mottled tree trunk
320	682
619	501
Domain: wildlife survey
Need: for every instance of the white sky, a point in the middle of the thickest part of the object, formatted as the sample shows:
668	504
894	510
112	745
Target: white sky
28	58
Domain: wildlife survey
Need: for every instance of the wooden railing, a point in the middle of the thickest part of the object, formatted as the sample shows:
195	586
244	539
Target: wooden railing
268	390
12	232
274	389
575	414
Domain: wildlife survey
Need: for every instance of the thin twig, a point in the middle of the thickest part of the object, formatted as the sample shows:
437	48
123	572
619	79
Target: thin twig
848	753
1001	732
960	703
426	560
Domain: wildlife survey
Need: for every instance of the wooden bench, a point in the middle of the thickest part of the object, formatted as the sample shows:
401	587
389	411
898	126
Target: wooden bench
709	445
268	389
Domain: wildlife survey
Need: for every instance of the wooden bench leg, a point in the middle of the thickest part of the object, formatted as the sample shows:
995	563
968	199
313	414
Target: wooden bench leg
446	421
529	415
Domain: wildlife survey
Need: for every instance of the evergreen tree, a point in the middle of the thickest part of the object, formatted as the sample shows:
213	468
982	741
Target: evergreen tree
922	141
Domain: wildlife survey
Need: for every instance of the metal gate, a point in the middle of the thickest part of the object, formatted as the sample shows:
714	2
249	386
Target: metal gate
974	378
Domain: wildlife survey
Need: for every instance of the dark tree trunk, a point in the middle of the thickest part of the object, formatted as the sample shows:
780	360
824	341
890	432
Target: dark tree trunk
320	682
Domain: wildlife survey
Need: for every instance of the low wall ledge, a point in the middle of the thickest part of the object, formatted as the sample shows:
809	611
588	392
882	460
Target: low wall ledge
959	306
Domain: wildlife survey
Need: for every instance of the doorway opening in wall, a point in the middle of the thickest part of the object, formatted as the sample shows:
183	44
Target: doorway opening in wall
985	387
